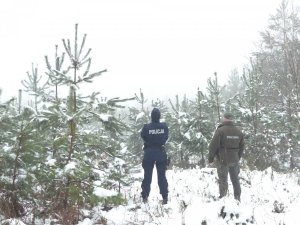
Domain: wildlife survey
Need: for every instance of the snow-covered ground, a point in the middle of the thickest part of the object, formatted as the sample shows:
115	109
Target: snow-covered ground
268	198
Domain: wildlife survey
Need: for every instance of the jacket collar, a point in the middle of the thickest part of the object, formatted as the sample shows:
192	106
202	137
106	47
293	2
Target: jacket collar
230	123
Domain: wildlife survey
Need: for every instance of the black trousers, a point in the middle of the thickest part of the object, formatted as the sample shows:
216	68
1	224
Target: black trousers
159	159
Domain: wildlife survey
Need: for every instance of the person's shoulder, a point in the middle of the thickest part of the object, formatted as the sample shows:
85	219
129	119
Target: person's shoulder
219	129
220	125
237	126
146	125
164	124
237	129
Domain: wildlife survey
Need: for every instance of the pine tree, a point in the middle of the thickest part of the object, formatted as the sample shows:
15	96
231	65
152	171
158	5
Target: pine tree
53	74
278	58
214	97
234	86
181	141
84	134
138	116
251	112
33	87
202	125
22	151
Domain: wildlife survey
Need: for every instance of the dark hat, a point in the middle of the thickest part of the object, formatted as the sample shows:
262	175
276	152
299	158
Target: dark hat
228	115
155	115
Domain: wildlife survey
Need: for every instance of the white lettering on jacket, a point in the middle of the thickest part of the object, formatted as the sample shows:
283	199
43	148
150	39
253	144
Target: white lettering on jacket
157	131
232	137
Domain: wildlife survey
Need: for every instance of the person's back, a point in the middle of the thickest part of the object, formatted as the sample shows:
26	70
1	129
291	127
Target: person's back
231	143
227	145
155	135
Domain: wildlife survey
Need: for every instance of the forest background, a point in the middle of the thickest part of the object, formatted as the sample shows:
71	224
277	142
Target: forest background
57	144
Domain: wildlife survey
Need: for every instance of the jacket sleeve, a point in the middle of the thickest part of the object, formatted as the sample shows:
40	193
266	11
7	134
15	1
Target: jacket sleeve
241	146
143	133
214	146
166	137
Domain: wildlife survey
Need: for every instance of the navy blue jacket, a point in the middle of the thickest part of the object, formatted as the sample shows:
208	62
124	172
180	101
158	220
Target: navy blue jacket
154	134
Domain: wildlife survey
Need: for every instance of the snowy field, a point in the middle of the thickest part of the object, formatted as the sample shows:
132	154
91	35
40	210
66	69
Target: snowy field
268	198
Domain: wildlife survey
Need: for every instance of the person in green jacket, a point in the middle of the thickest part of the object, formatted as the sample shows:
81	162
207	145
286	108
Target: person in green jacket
227	146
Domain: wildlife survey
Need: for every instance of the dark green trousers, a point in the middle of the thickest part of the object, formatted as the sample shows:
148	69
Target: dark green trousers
233	170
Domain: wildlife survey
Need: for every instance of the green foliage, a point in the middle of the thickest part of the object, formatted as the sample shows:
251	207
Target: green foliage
188	140
53	152
113	200
137	117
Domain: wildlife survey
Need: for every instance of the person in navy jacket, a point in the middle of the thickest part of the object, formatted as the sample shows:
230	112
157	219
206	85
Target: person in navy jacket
155	135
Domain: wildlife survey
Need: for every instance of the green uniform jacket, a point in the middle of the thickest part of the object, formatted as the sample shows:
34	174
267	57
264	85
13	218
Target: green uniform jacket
227	144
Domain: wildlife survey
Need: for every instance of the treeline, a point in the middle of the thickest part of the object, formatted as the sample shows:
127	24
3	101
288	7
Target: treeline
57	150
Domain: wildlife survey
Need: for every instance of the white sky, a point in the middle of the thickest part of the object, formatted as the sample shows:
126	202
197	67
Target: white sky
164	47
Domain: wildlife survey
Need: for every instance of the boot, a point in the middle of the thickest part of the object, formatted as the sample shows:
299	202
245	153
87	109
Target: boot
238	198
145	199
165	200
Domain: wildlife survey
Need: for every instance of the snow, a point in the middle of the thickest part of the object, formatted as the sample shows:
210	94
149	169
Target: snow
86	221
12	222
268	198
105	117
139	116
118	161
6	148
101	192
193	198
124	150
70	166
199	135
100	173
50	161
187	135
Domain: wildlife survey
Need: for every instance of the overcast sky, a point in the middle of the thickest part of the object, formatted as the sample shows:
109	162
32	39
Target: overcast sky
164	47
